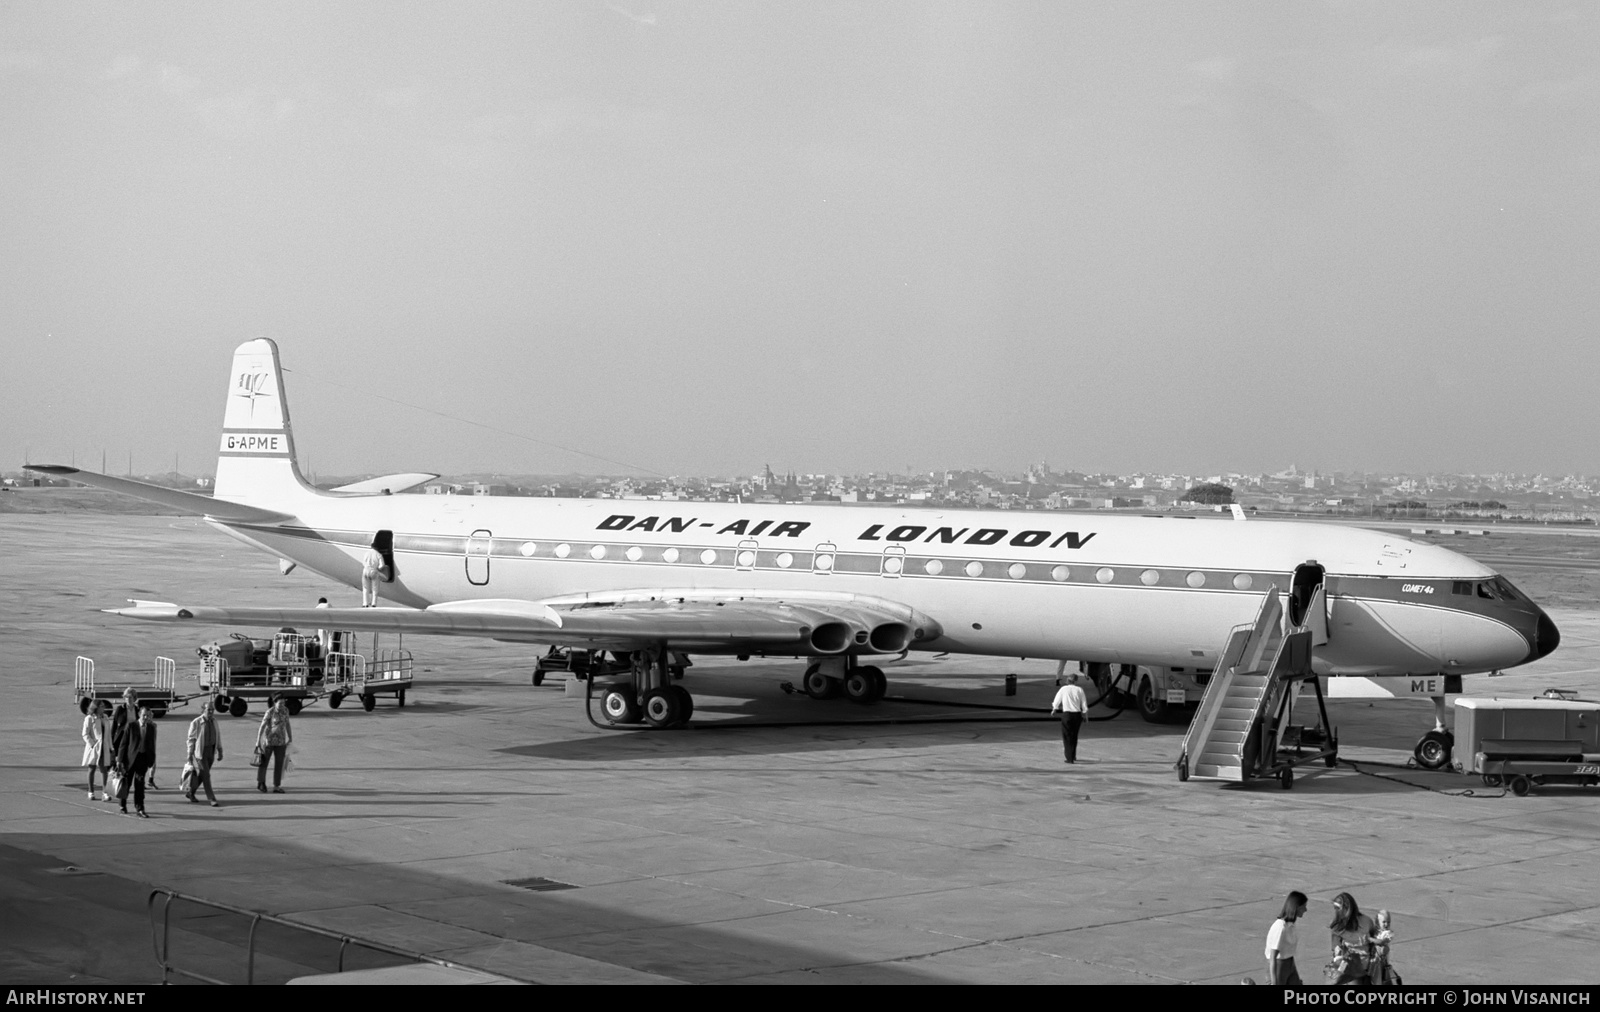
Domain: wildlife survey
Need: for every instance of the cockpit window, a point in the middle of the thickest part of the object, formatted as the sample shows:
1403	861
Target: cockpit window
1486	590
1505	590
1461	588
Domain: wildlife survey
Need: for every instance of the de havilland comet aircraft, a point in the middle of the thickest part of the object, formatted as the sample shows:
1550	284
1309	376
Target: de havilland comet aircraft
839	586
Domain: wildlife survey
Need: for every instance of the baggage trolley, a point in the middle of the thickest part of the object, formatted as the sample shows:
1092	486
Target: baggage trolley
158	690
289	665
366	676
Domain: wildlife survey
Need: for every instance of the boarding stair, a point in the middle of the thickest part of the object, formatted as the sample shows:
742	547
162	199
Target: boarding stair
1242	730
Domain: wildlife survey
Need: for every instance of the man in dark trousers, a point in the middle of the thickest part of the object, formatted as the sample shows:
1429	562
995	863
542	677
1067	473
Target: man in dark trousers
205	748
137	757
1073	705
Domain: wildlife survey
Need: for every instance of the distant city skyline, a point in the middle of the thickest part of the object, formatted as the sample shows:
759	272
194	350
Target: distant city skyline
841	236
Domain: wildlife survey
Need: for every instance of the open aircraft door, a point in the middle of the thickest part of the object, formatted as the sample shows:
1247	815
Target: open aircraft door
1308	601
478	546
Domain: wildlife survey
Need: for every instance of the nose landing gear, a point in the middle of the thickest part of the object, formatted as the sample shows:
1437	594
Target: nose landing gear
1434	749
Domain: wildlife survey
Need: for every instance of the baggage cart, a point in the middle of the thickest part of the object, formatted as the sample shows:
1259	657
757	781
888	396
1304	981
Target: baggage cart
290	665
156	689
381	671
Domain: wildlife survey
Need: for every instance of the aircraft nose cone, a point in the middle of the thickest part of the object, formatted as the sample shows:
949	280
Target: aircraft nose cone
1546	637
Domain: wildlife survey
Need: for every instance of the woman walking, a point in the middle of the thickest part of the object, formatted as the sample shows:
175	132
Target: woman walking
272	741
1282	942
1353	932
97	746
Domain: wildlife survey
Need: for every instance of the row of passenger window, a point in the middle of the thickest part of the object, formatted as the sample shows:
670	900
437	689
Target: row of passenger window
825	561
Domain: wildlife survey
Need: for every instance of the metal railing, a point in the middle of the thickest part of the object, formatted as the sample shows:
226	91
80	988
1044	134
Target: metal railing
350	671
213	673
390	665
161	939
166	674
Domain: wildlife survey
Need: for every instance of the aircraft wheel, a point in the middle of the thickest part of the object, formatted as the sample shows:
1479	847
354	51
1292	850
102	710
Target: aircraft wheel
662	709
221	703
157	711
864	685
1151	709
538	675
685	703
293	705
1183	768
1521	786
334	699
237	706
368	701
619	707
819	685
1433	751
1492	780
1286	779
83	705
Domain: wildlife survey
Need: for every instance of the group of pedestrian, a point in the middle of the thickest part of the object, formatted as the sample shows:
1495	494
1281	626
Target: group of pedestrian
120	745
1359	945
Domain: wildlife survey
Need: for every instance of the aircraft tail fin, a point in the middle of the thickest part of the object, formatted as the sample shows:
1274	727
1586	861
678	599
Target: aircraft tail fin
256	461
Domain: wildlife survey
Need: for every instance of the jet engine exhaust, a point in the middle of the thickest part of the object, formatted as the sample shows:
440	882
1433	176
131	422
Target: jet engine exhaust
831	638
890	637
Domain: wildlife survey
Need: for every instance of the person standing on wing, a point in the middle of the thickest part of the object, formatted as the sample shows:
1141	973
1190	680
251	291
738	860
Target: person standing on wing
1073	705
371	572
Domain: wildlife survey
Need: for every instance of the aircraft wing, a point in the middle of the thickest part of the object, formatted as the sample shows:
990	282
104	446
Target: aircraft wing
389	484
190	502
695	626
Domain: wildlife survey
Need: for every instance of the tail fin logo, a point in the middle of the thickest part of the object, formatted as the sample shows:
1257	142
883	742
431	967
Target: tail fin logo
253	384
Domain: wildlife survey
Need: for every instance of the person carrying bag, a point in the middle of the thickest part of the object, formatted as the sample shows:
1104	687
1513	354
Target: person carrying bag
272	740
205	748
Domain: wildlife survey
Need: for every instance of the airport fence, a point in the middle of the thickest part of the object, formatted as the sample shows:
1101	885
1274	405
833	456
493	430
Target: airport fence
223	944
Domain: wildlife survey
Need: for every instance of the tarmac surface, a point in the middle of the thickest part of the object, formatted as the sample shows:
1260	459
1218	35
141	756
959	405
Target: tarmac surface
840	852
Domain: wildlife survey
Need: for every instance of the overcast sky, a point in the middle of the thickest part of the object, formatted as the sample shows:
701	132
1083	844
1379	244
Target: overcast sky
829	237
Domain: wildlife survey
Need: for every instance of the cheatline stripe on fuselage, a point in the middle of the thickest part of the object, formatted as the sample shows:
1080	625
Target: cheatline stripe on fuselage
1367	589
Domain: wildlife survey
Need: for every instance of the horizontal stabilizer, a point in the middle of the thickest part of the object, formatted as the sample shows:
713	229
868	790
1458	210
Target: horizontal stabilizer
189	502
389	484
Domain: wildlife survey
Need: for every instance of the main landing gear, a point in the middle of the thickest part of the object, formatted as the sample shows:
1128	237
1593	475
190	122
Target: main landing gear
831	677
652	698
1434	749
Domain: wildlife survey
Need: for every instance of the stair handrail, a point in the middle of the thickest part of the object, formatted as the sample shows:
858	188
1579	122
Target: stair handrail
1242	643
1284	682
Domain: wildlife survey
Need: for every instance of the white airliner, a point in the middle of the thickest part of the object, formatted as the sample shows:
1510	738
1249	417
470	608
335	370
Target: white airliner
836	585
